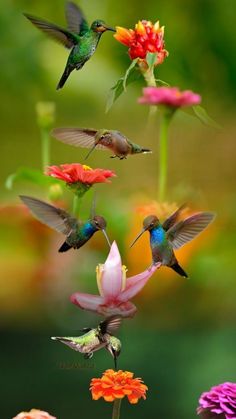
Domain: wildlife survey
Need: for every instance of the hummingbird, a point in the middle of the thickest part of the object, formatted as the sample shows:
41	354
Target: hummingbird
97	338
76	231
173	234
102	139
79	37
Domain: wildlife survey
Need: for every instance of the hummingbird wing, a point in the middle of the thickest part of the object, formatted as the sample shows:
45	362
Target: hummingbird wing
186	230
170	221
78	137
73	343
60	35
53	217
110	325
75	19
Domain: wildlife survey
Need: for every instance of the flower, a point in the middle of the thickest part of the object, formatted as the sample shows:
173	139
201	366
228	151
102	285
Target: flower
169	96
115	289
145	38
116	385
34	414
45	114
219	402
79	177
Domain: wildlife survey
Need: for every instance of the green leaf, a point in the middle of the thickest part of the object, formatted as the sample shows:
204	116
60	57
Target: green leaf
30	175
151	58
162	83
203	116
131	75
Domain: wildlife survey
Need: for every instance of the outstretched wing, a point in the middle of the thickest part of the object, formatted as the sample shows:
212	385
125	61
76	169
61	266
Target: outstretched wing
170	221
75	19
186	230
110	325
78	137
58	34
53	217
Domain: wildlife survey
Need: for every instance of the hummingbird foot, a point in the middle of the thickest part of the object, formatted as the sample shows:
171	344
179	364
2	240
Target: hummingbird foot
113	157
88	355
123	157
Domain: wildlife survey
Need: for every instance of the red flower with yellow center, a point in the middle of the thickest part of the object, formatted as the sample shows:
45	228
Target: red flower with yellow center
79	177
116	385
146	37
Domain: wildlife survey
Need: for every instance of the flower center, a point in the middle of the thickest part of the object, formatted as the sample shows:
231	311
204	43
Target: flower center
85	167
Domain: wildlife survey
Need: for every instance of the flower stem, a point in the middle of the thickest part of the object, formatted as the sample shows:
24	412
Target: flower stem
163	156
116	409
76	205
45	147
151	82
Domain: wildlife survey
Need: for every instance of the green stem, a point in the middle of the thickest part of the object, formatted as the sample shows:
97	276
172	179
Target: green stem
151	82
76	205
45	141
116	409
163	156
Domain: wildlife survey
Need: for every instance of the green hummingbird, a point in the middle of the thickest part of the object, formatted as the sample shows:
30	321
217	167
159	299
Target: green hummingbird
173	234
97	338
81	39
103	139
76	231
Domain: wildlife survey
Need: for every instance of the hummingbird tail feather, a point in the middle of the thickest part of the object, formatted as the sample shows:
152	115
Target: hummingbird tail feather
64	247
64	77
177	268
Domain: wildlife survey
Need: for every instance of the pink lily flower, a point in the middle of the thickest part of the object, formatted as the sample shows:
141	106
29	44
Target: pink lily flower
114	287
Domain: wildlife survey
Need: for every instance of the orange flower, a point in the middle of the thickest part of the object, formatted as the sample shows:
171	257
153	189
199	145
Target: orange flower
146	37
116	385
34	414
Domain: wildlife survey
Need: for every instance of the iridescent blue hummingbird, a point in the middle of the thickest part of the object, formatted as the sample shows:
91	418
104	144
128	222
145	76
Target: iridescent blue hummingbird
97	338
77	232
80	38
173	234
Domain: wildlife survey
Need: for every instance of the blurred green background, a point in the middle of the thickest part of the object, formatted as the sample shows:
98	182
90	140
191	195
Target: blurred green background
182	340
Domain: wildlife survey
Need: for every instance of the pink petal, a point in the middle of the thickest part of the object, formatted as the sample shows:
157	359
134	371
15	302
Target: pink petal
110	274
126	309
134	284
87	301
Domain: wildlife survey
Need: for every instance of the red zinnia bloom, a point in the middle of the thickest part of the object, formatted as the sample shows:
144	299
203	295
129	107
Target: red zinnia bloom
79	177
146	37
169	96
116	385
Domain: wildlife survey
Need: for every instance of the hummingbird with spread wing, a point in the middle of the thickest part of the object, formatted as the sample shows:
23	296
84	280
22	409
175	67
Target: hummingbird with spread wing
97	338
173	234
77	232
102	139
79	37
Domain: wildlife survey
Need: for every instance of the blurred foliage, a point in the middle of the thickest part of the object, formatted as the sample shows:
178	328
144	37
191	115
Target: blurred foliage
186	327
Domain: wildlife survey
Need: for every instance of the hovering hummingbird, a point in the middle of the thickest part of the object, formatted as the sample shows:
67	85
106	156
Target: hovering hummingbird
94	339
81	39
102	139
77	232
171	235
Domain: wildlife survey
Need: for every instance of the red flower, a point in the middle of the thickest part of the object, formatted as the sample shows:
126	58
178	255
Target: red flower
116	385
145	38
79	177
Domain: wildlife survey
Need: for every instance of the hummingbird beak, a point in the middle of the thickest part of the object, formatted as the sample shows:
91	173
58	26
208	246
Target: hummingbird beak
90	151
107	238
108	28
115	362
138	236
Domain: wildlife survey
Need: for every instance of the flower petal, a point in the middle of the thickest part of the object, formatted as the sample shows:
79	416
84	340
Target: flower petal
109	276
87	301
126	309
134	284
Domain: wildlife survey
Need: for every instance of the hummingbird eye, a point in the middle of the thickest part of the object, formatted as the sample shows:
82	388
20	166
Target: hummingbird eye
102	137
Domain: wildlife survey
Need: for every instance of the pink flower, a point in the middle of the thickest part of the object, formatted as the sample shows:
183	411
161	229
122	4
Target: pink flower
169	96
34	414
115	289
219	402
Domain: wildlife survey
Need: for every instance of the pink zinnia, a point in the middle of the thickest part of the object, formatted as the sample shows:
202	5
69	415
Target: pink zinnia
34	414
169	96
219	402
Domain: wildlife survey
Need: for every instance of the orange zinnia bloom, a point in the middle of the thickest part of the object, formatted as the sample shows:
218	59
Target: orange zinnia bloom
116	385
75	172
146	37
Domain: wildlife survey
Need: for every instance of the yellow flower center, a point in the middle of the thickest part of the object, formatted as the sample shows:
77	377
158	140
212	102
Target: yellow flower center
85	167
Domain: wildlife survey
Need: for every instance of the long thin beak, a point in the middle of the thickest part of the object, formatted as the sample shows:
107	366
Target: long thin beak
108	28
138	236
115	362
107	238
90	151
